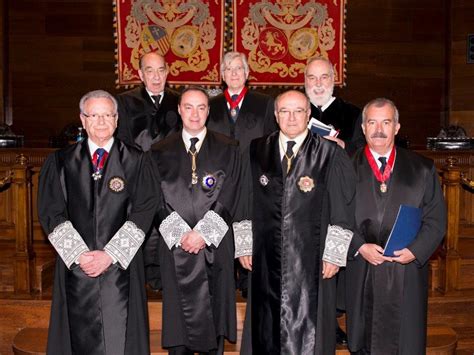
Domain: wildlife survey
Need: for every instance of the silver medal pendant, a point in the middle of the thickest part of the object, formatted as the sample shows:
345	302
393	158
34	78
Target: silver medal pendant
383	187
194	178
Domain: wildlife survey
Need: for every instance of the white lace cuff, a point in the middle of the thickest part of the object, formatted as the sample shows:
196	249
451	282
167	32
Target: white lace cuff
338	240
212	228
243	238
125	243
172	229
68	243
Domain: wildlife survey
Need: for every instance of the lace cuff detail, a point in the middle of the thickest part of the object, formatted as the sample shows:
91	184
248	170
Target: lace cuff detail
212	228
338	240
243	238
172	229
68	243
125	243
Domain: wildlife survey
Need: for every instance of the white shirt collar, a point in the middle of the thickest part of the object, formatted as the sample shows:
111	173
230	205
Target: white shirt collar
284	139
187	142
377	156
152	94
236	93
325	106
93	147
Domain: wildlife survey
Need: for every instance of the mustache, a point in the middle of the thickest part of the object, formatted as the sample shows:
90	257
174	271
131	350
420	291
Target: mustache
378	135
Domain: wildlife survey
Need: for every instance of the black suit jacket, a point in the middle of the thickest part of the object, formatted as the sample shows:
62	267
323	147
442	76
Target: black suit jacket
346	118
140	124
256	118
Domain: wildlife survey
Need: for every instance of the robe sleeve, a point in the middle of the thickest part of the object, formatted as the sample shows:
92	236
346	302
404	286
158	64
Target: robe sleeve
341	188
242	226
128	239
270	121
433	224
52	213
172	228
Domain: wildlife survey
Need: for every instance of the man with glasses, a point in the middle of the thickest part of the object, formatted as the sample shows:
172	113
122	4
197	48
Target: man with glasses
96	200
240	113
303	190
148	113
342	115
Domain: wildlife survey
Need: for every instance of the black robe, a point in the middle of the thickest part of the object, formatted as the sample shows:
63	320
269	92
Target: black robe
256	118
106	314
198	290
387	304
293	308
346	118
140	124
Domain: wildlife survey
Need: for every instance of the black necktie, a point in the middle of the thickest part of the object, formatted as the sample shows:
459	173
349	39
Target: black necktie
192	148
383	160
286	161
157	101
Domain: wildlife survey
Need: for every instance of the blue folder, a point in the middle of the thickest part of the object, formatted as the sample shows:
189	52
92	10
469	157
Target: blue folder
405	229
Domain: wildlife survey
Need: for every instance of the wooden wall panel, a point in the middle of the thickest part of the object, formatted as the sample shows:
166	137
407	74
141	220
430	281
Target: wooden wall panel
462	74
61	49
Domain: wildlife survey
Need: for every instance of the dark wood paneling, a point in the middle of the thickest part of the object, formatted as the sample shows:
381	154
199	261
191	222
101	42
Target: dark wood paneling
61	49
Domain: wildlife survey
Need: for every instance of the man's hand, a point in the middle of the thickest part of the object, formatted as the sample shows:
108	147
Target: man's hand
246	262
404	256
99	263
339	142
192	242
373	253
329	270
84	259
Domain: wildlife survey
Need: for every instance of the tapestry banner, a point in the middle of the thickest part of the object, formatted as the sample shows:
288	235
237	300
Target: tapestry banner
279	36
188	33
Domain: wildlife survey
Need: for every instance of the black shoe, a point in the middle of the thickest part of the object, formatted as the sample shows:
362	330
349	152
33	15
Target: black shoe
341	337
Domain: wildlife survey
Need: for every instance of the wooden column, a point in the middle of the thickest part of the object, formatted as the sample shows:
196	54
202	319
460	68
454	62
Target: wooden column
3	58
24	264
450	260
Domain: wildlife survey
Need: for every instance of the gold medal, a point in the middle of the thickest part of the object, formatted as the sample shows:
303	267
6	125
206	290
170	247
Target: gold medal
194	178
383	187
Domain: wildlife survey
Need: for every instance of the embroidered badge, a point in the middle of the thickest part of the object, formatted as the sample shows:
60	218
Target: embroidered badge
263	180
306	184
208	181
116	184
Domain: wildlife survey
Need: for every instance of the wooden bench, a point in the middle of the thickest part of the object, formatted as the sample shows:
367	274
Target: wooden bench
442	340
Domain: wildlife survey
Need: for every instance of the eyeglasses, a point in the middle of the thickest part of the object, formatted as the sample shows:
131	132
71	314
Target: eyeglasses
298	113
96	117
323	78
236	69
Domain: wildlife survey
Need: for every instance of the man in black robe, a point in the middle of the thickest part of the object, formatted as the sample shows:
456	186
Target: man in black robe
96	200
200	178
240	113
346	119
387	296
148	113
342	115
303	189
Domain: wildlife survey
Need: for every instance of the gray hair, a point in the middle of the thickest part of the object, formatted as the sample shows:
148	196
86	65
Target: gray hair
97	94
320	59
229	57
380	102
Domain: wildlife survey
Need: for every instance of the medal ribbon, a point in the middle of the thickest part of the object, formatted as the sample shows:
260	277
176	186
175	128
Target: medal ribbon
375	169
234	104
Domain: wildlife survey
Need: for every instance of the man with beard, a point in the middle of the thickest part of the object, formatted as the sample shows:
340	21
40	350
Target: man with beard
303	189
387	296
148	113
345	118
342	115
96	200
240	113
200	177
